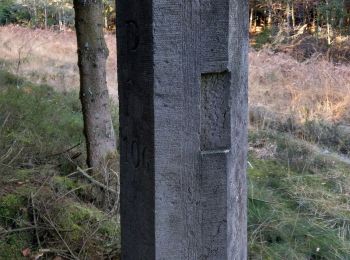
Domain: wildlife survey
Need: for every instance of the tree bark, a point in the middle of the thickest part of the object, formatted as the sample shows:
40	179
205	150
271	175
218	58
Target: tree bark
92	56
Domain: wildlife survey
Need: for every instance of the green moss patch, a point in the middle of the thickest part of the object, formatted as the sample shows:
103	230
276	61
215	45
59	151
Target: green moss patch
11	207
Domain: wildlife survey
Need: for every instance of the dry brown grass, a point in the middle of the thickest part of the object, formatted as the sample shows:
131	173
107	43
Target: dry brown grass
48	57
311	90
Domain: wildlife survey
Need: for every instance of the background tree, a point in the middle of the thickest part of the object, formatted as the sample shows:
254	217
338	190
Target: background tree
328	18
48	14
92	56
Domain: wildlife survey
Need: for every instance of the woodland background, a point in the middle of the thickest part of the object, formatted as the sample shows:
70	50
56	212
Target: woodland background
299	134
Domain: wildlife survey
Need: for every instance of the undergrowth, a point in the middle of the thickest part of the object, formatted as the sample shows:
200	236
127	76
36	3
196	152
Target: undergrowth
298	194
298	200
46	208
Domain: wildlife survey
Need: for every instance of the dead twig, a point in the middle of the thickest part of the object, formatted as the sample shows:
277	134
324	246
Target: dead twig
5	121
89	238
8	232
8	166
35	220
8	153
69	192
117	201
63	152
92	180
42	185
48	219
74	173
24	229
16	156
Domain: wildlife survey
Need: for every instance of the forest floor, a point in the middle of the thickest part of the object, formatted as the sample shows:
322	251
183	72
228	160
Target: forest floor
299	166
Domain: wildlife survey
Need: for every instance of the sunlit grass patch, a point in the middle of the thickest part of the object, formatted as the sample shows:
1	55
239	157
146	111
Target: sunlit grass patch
35	120
297	212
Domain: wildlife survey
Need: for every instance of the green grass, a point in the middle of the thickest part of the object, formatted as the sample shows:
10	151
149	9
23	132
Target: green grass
36	125
38	118
298	208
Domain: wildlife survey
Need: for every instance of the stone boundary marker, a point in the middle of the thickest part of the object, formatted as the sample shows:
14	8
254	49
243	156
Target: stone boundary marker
182	71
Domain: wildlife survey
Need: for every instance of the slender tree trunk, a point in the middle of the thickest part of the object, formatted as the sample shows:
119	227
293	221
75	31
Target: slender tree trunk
328	24
251	19
45	14
315	24
341	20
288	17
63	18
92	56
293	16
269	18
60	19
306	13
35	11
106	22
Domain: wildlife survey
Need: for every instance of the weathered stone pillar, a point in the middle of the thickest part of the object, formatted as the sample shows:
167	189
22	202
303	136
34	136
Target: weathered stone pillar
182	70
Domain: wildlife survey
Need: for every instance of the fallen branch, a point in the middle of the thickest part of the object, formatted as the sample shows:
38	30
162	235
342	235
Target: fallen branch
24	229
63	152
7	232
74	173
35	220
117	201
92	180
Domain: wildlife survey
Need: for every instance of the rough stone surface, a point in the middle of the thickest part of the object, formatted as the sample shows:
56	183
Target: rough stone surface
214	35
215	111
182	71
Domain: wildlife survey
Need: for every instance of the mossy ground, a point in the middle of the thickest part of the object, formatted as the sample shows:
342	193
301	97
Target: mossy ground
38	128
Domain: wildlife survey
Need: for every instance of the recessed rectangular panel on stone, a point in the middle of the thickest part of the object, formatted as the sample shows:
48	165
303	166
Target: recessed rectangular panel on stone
214	35
215	111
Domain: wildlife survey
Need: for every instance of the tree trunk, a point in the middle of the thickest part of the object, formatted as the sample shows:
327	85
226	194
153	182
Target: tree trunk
269	17
63	19
35	11
59	19
251	19
341	20
288	17
106	22
92	56
293	16
45	15
328	25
